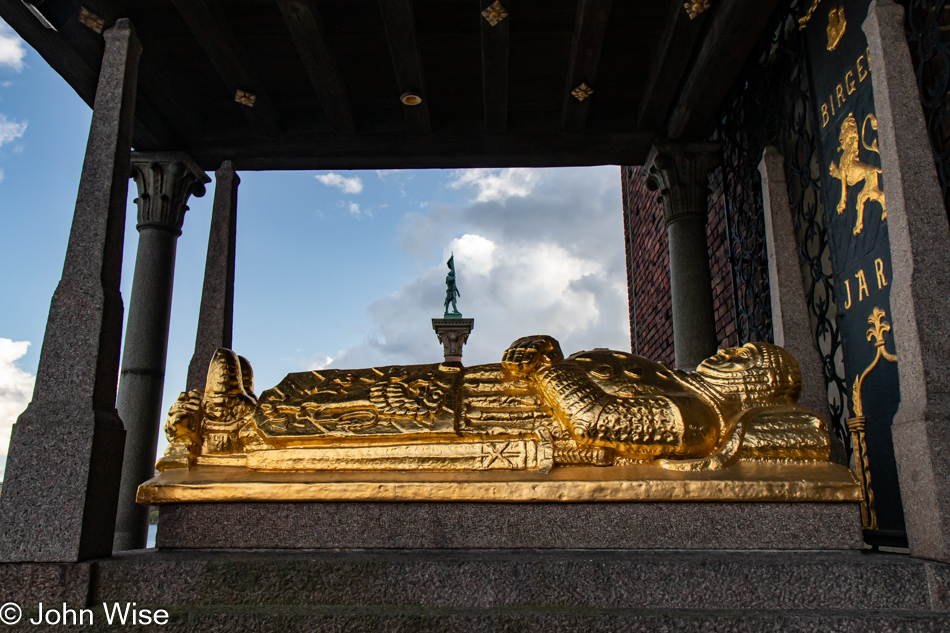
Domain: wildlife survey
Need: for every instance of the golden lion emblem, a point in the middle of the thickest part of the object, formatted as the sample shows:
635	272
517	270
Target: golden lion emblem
852	170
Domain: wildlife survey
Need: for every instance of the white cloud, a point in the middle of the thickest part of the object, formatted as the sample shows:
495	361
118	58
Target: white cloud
12	50
1	174
344	184
354	208
16	389
10	130
317	362
478	252
497	184
549	262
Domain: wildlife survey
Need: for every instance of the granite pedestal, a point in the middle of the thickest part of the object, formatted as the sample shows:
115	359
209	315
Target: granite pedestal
499	590
745	506
455	525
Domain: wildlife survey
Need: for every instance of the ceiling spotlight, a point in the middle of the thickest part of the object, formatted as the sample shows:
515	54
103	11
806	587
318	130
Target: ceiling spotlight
52	14
411	99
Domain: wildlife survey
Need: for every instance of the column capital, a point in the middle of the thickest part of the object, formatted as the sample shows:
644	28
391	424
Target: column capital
679	170
453	334
165	181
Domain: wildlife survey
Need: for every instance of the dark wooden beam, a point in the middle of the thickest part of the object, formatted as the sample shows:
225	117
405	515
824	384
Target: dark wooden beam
153	129
79	72
306	30
735	28
588	41
495	69
153	83
210	27
407	62
75	52
436	150
669	65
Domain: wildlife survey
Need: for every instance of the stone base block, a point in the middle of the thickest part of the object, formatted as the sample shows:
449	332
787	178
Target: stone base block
506	590
329	525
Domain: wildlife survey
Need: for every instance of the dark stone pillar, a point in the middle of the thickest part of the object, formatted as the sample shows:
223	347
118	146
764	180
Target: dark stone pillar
920	293
680	172
165	180
62	476
216	315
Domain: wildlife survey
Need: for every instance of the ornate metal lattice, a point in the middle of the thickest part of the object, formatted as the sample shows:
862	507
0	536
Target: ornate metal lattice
745	224
774	107
927	25
746	127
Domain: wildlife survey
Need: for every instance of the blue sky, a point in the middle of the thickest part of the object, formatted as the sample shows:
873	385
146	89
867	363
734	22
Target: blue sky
340	269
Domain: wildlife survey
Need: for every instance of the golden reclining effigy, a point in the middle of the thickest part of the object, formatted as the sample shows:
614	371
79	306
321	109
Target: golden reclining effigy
534	411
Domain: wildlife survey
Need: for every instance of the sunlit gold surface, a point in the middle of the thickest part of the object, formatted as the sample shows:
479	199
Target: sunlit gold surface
596	426
852	171
745	481
507	453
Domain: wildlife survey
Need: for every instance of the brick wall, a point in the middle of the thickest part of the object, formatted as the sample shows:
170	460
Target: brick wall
717	241
648	268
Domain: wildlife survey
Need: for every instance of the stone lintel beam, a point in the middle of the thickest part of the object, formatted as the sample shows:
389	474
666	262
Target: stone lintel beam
920	293
165	181
62	475
679	170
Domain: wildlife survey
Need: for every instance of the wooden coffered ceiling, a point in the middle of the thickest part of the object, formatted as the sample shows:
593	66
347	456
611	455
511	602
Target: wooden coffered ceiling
327	76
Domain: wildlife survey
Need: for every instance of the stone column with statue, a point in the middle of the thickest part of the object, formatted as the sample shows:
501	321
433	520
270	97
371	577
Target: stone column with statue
452	329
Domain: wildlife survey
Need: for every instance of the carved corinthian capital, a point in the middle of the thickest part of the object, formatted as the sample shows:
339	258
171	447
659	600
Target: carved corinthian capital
680	172
165	181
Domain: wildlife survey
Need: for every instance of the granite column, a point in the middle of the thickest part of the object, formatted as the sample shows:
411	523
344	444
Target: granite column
790	323
216	315
165	181
920	293
680	172
62	474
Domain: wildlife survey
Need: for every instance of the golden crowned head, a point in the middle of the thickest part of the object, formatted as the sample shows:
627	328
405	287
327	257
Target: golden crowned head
224	375
756	373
